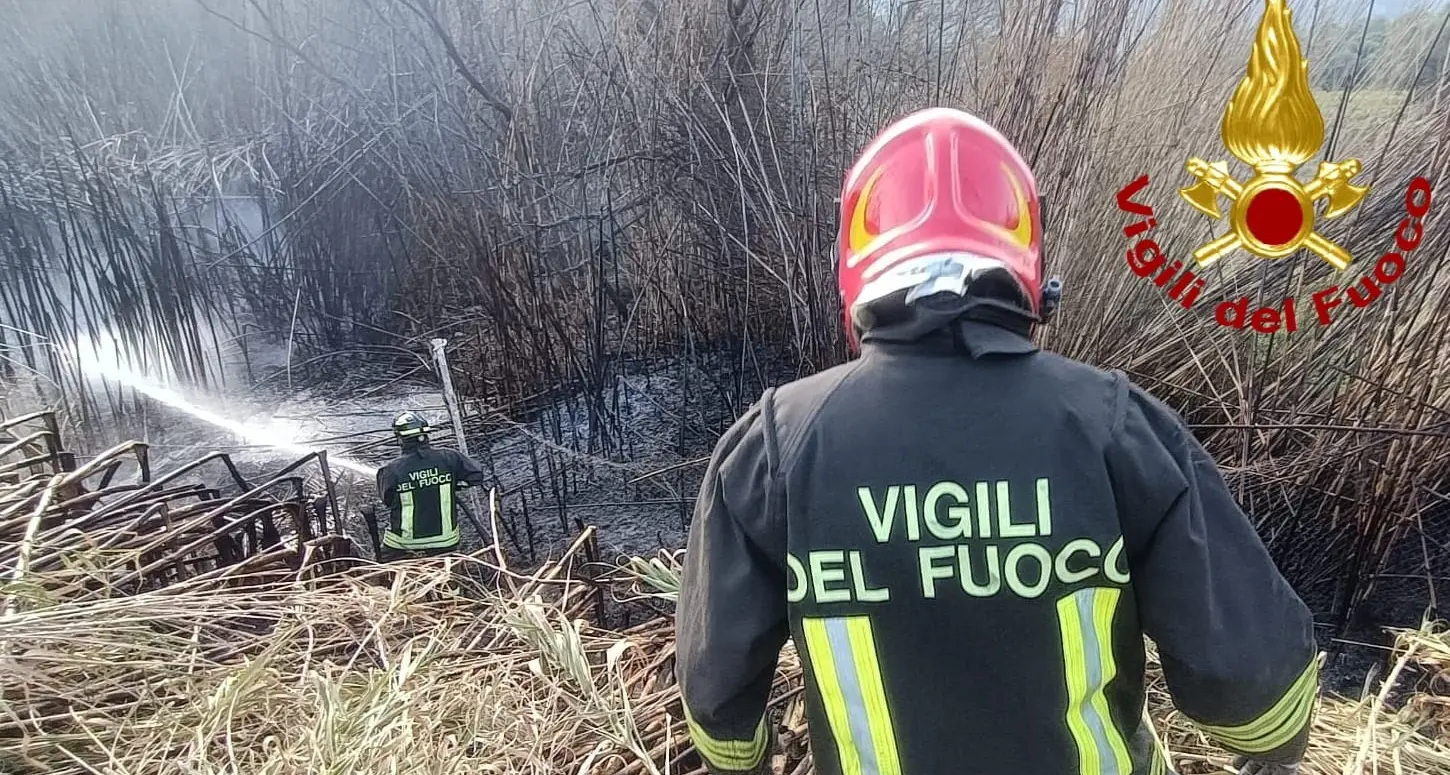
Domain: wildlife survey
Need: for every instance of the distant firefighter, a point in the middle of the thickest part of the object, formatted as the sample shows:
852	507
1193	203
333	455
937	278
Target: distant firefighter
968	537
420	491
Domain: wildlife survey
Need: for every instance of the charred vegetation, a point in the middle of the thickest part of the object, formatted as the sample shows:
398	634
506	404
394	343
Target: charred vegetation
620	209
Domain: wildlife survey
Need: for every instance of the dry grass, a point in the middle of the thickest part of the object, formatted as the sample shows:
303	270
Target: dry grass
1352	736
564	187
661	180
420	667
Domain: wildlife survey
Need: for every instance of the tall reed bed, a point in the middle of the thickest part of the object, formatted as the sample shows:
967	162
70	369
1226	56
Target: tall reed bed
558	186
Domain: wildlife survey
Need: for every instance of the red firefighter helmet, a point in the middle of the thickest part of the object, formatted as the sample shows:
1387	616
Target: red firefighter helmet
936	199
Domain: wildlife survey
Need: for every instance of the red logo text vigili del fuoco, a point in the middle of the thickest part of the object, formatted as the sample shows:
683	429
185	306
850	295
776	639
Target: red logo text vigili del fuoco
1147	260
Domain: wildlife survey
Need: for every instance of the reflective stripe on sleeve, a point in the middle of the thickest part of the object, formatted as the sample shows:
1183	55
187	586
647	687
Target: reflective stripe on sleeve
1277	725
1085	619
733	755
843	657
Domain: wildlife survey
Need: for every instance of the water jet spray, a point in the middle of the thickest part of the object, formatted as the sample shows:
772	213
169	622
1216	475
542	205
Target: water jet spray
90	356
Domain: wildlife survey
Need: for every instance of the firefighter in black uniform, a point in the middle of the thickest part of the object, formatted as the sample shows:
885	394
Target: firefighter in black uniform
420	491
966	537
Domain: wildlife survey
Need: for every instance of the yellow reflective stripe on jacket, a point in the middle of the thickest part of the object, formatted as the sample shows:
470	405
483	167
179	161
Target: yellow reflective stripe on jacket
406	500
407	539
843	657
1280	723
392	541
734	755
446	518
1085	619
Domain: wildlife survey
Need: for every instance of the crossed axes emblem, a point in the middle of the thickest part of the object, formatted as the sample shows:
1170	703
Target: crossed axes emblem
1263	205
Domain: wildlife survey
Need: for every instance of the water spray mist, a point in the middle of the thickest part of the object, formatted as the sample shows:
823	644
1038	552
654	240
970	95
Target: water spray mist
111	367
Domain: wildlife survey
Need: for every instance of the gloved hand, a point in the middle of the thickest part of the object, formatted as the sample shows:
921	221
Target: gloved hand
1247	766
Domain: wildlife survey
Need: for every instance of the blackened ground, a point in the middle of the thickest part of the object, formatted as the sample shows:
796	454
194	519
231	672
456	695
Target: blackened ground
627	458
1318	557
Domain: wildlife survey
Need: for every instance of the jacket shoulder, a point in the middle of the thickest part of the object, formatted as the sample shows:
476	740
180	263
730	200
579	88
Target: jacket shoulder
757	441
794	405
447	455
1082	372
1089	386
820	385
388	472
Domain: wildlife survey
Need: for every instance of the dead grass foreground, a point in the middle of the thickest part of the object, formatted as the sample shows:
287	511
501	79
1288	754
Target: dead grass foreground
422	667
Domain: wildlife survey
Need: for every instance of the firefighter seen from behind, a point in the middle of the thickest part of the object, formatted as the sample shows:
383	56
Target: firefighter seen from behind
420	492
968	537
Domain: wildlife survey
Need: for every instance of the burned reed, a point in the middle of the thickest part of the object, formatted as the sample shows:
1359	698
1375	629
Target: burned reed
560	188
107	527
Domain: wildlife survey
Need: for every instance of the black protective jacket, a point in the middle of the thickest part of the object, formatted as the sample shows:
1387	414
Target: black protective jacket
420	491
966	539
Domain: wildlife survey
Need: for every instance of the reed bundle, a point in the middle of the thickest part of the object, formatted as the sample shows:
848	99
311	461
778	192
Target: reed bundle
72	532
423	666
566	188
156	628
560	186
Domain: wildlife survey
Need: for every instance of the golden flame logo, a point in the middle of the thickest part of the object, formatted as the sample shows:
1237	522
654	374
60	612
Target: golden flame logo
1273	125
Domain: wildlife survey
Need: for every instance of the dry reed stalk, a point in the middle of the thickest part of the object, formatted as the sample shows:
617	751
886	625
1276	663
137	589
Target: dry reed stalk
71	533
661	187
27	544
398	668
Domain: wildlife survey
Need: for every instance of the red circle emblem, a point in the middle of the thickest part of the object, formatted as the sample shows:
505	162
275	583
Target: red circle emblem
1274	217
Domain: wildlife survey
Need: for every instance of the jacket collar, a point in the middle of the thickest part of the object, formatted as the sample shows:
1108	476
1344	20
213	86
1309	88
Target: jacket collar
981	328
